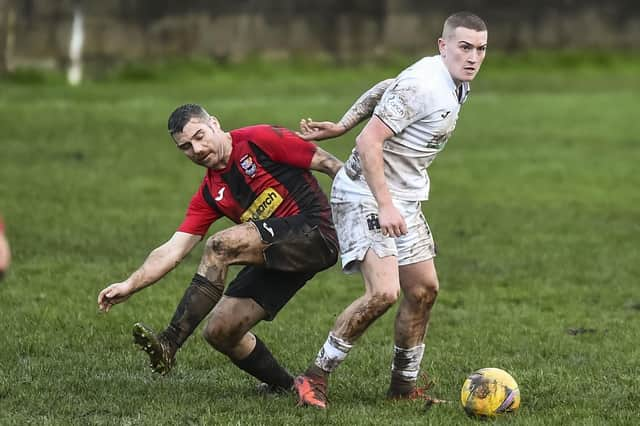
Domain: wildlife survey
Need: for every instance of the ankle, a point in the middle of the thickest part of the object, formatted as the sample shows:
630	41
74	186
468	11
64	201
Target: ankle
400	386
168	341
315	371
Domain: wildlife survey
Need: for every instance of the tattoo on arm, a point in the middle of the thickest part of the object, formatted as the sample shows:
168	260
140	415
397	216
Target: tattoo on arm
364	106
326	163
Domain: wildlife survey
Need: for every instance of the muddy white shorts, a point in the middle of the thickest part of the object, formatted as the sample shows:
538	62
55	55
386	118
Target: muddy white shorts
356	219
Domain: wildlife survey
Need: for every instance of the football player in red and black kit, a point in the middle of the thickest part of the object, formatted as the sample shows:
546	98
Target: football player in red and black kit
259	177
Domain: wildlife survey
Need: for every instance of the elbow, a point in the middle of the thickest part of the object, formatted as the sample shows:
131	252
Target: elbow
383	85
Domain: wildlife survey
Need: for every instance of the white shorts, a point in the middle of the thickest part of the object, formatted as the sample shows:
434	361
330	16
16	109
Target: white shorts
356	221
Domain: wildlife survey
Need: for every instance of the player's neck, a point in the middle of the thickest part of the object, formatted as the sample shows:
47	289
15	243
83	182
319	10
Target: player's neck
228	148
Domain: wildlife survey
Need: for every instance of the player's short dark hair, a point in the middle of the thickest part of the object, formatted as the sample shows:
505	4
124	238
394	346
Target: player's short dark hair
181	116
463	19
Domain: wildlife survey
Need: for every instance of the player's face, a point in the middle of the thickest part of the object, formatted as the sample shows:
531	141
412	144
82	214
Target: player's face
463	52
204	142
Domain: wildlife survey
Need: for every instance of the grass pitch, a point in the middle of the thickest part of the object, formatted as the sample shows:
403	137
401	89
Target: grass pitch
535	208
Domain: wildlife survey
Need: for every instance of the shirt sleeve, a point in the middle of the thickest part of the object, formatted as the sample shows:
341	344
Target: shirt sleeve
402	104
284	146
199	216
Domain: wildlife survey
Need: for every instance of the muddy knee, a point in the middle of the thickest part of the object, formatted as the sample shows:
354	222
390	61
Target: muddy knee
380	301
218	249
238	244
424	294
221	336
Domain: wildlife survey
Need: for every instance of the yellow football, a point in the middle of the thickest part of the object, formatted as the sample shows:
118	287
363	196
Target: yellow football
489	392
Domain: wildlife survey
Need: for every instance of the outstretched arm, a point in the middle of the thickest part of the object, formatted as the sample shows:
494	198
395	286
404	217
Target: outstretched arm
160	261
360	110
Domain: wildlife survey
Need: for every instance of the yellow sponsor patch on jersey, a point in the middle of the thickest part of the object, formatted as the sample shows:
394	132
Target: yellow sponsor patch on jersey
264	205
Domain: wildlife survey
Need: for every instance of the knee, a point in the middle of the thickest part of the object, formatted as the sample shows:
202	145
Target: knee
384	299
219	336
217	249
425	292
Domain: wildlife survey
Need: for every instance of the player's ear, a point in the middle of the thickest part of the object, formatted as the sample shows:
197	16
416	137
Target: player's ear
214	121
441	46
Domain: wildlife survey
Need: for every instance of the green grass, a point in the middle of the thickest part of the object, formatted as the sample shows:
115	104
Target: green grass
535	207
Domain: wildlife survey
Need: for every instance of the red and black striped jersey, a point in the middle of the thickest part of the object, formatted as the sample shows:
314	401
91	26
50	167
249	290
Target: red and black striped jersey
267	175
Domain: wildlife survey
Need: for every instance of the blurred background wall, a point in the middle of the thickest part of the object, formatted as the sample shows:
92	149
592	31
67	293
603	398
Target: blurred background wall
39	32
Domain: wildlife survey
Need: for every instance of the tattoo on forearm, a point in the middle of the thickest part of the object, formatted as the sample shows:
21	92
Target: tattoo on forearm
365	105
328	164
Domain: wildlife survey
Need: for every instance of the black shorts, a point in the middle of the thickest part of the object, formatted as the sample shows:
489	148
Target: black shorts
297	250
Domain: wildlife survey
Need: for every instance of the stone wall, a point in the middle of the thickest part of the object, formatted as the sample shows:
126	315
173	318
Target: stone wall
38	31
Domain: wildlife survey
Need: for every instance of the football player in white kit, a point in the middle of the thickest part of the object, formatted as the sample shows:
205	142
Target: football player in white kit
376	203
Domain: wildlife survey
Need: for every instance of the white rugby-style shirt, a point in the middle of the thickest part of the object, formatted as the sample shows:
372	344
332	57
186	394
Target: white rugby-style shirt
421	108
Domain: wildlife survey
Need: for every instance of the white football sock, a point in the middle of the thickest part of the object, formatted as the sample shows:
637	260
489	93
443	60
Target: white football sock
332	353
406	362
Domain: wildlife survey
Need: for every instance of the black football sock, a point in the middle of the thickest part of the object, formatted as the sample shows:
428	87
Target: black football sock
198	300
261	364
